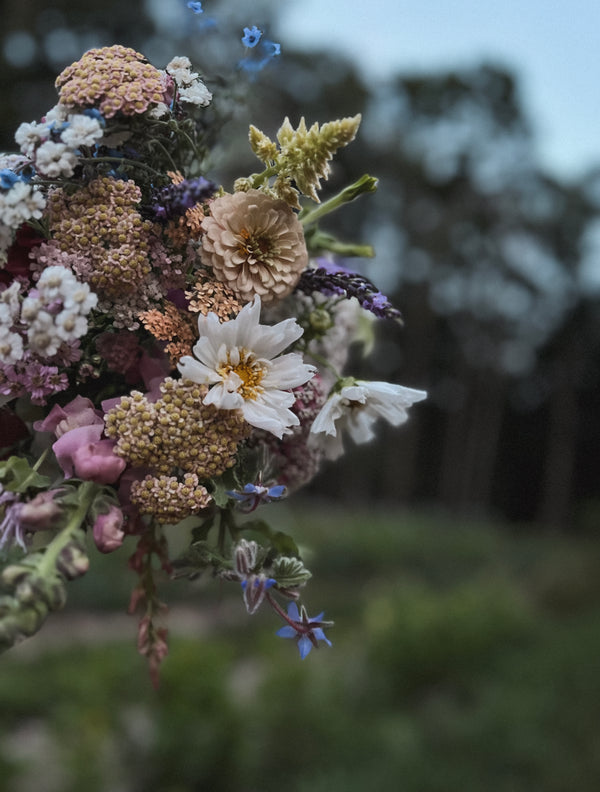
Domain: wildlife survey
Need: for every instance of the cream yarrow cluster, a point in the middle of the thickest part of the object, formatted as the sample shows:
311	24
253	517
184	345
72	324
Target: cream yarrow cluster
177	431
168	499
303	154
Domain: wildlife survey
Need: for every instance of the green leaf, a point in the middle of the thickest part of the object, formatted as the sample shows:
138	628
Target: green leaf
284	544
289	572
17	475
200	532
259	526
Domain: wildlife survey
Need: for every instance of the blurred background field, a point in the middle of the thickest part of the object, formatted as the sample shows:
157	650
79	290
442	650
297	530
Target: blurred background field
460	554
465	656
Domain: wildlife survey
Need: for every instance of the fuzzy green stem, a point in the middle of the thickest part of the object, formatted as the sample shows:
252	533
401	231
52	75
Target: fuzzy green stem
365	184
318	240
158	144
87	493
260	178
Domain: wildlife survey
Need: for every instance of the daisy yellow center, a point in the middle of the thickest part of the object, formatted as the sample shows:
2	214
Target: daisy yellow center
250	370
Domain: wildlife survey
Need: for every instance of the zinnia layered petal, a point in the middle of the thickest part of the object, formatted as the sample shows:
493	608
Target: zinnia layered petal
255	244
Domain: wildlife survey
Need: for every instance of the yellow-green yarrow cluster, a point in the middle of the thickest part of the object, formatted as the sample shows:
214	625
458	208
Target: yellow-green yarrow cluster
176	432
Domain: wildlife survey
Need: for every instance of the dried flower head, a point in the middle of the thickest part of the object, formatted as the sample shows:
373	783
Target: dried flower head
209	296
113	79
255	244
176	327
101	221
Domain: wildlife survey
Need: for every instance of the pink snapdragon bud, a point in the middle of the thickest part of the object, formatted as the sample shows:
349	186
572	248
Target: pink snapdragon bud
39	513
98	462
82	453
108	530
78	412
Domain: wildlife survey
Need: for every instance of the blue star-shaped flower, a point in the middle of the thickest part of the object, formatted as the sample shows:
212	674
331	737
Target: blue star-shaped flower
305	630
195	7
254	494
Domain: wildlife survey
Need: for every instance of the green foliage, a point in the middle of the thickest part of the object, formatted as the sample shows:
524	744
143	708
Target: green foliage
463	658
17	475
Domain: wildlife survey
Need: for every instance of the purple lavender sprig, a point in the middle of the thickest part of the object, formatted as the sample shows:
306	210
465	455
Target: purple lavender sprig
333	279
175	199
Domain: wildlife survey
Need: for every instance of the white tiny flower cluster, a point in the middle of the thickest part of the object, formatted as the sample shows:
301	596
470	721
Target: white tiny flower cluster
11	343
53	145
21	202
51	314
190	87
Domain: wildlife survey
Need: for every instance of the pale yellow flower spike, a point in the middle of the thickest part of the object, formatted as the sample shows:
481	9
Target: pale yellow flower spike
304	154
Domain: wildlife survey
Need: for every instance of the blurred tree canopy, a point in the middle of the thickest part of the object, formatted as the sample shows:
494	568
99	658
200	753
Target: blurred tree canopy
493	262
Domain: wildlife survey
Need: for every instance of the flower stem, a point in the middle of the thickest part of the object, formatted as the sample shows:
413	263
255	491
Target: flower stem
87	493
261	178
366	183
277	607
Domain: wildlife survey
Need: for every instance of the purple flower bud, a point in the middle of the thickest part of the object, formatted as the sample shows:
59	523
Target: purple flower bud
108	530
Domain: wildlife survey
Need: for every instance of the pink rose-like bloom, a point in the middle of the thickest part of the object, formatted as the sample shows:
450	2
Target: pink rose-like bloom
108	530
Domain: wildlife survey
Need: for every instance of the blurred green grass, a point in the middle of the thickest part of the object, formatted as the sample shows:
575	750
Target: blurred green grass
464	657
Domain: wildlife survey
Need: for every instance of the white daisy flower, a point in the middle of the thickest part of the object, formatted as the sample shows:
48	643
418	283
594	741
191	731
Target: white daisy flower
20	203
356	407
11	347
29	136
242	361
81	131
179	62
159	110
195	93
31	308
56	115
70	325
79	297
56	282
42	335
55	159
9	303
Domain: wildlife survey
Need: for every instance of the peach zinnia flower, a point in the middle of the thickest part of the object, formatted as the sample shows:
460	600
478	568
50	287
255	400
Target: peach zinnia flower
255	244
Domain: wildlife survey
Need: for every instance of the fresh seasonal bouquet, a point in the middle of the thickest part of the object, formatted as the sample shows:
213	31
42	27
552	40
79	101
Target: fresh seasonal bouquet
170	350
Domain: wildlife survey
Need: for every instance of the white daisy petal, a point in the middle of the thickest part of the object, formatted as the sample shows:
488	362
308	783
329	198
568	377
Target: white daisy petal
356	407
240	360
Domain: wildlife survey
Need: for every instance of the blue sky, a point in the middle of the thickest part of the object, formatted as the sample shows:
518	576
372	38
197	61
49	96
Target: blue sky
553	47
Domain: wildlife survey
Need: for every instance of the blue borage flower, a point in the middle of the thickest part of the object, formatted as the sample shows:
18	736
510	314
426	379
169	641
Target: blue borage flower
195	7
305	630
331	279
251	36
261	53
255	584
8	178
252	495
91	112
